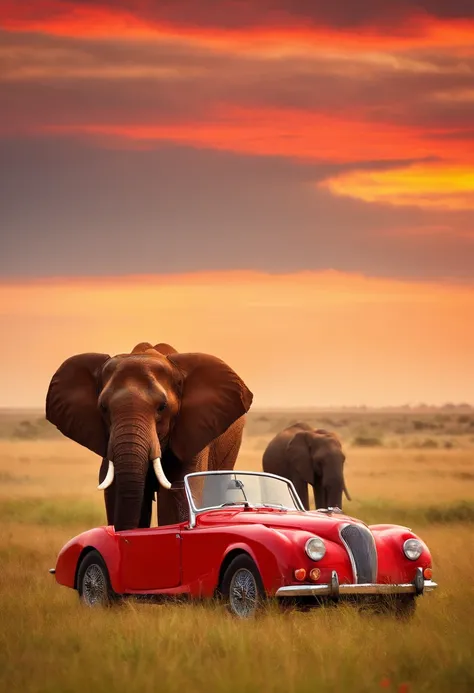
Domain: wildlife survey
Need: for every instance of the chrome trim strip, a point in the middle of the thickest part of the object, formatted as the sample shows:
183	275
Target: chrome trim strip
368	588
349	552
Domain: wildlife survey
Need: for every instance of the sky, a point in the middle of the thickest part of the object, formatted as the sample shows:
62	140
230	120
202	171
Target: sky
288	184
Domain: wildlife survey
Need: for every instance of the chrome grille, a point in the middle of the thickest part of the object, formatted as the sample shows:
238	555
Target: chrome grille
362	552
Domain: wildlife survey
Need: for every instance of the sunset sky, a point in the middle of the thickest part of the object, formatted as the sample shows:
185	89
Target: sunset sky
288	184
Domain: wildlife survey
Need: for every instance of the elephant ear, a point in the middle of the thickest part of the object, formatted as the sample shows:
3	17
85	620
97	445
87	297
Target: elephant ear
165	349
299	455
213	397
71	401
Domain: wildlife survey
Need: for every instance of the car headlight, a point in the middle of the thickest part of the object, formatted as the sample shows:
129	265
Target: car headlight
412	548
315	548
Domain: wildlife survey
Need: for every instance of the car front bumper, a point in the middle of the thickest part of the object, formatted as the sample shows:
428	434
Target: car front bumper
335	589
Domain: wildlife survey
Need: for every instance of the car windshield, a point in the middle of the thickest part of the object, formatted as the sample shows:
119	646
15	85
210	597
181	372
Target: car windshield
221	489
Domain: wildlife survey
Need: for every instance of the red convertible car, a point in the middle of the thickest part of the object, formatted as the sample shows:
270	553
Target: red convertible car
249	538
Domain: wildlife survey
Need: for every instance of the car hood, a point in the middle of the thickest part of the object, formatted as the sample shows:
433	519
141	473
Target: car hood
310	521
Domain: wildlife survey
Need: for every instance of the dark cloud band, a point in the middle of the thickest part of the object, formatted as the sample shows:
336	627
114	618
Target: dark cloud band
241	14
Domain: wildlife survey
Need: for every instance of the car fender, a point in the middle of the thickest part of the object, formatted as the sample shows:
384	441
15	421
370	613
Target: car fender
278	552
271	550
101	539
393	565
205	551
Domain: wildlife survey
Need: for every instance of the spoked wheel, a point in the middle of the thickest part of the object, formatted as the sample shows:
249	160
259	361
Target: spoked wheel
242	587
93	582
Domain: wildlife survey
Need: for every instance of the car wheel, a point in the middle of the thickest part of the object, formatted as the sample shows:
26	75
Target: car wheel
93	583
242	587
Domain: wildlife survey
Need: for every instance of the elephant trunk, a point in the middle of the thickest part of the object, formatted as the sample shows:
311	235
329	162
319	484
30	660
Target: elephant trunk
333	483
333	496
129	450
346	492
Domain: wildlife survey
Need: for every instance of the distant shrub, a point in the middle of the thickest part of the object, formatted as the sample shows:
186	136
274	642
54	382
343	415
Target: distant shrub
456	512
465	476
380	511
25	431
428	444
34	430
419	425
367	442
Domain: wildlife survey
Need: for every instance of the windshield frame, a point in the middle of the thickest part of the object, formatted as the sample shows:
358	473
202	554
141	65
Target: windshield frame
194	511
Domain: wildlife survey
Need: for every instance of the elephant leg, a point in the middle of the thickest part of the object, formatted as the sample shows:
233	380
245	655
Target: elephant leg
173	503
223	451
301	487
319	495
172	507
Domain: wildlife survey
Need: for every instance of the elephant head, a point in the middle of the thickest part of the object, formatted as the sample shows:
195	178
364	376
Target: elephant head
151	410
317	456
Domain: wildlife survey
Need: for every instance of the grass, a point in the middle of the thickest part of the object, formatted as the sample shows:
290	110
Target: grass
73	512
52	644
378	512
49	643
43	512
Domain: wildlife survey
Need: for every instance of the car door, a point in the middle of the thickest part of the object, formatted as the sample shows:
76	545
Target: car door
150	558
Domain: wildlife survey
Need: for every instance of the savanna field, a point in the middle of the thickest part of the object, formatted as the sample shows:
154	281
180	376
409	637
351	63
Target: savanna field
407	467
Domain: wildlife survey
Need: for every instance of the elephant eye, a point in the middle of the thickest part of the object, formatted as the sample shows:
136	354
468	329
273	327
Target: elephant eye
162	406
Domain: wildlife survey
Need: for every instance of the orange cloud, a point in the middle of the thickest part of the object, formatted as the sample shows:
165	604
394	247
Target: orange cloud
324	338
285	132
432	186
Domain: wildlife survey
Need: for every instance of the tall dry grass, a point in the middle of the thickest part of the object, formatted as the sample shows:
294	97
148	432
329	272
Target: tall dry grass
49	643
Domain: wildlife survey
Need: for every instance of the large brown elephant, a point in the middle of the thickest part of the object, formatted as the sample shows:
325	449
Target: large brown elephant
306	455
153	415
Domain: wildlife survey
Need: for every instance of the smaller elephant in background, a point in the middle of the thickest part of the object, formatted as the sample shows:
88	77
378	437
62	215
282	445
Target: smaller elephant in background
306	455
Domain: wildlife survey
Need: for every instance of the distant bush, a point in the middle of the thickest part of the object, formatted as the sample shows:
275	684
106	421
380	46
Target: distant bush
428	444
367	442
456	512
34	430
25	431
382	512
419	425
465	476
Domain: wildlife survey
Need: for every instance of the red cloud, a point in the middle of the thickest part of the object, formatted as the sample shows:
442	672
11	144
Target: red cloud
270	22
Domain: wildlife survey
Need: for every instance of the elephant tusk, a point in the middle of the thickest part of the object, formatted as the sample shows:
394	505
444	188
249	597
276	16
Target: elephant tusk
346	492
160	475
109	477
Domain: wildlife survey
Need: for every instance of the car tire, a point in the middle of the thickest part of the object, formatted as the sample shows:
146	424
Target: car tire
242	587
93	582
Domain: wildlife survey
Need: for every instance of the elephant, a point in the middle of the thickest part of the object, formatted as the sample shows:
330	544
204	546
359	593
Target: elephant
153	415
306	455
